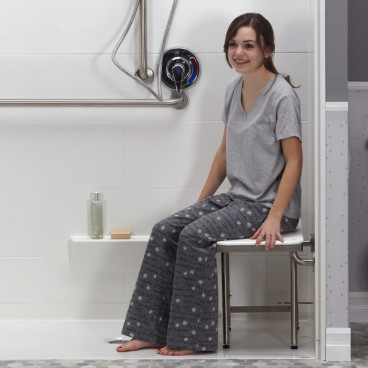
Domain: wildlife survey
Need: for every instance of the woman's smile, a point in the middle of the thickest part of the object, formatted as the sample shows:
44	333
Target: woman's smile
241	61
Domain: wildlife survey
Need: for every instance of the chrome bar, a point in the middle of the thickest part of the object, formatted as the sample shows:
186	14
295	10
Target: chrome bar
176	102
302	262
225	278
143	14
260	308
293	304
307	303
296	299
260	248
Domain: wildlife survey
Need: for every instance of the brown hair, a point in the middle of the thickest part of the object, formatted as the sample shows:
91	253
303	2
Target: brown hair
265	37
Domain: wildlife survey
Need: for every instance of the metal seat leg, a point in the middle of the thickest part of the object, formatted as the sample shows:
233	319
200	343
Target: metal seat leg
294	303
296	296
225	277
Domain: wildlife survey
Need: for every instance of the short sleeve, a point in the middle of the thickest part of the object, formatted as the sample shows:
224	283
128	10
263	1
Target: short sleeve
288	122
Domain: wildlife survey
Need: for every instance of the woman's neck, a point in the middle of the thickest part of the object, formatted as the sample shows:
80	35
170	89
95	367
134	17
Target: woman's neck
256	80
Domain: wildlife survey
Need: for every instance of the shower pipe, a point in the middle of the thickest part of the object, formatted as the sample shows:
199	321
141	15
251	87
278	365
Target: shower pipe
178	102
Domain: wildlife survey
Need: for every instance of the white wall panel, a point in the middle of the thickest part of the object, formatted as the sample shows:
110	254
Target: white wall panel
38	223
244	275
63	157
197	31
81	26
160	150
149	162
49	280
92	26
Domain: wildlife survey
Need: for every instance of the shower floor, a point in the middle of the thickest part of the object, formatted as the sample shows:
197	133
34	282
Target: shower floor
86	339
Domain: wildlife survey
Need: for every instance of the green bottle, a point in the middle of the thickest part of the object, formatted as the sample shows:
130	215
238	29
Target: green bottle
97	215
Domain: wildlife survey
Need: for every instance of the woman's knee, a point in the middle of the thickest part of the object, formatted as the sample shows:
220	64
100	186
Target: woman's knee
167	227
193	233
160	227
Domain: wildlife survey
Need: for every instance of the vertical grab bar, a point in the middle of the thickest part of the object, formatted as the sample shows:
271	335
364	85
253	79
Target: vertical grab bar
144	73
143	17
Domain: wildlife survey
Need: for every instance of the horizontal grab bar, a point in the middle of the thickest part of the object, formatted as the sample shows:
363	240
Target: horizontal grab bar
178	103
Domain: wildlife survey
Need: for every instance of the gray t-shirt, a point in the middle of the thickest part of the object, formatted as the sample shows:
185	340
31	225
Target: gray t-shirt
254	157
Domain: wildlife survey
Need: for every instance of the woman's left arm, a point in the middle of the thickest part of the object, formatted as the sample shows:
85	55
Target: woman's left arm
292	149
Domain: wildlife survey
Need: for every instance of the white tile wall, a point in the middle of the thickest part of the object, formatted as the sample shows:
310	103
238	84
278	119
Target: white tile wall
80	26
149	162
49	280
180	148
89	26
37	156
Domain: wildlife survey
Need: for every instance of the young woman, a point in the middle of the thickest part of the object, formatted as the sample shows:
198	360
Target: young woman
174	304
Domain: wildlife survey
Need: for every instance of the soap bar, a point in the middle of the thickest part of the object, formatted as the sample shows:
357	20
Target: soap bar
123	234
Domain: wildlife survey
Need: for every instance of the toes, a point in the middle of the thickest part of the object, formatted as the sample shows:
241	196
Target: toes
164	351
175	352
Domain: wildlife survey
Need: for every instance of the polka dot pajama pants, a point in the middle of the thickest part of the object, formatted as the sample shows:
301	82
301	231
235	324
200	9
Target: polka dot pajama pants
175	301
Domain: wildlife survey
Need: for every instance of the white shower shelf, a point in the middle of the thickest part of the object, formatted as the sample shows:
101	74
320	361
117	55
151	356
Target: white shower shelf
106	240
106	256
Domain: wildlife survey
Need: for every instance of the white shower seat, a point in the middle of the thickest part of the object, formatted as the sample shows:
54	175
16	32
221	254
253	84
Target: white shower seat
293	242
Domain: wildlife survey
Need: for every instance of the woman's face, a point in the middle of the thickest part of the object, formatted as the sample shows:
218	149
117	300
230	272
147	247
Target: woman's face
244	53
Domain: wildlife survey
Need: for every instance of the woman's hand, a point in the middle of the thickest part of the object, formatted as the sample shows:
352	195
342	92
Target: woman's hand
269	230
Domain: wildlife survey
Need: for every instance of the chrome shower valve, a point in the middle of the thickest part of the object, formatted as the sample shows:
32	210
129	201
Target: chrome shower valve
180	69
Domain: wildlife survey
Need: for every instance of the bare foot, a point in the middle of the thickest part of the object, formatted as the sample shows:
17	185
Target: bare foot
133	345
169	351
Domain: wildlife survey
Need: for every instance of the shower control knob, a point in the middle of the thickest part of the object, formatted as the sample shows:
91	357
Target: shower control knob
178	74
180	69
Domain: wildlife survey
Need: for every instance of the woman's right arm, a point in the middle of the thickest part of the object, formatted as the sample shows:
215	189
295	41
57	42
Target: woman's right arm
217	173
